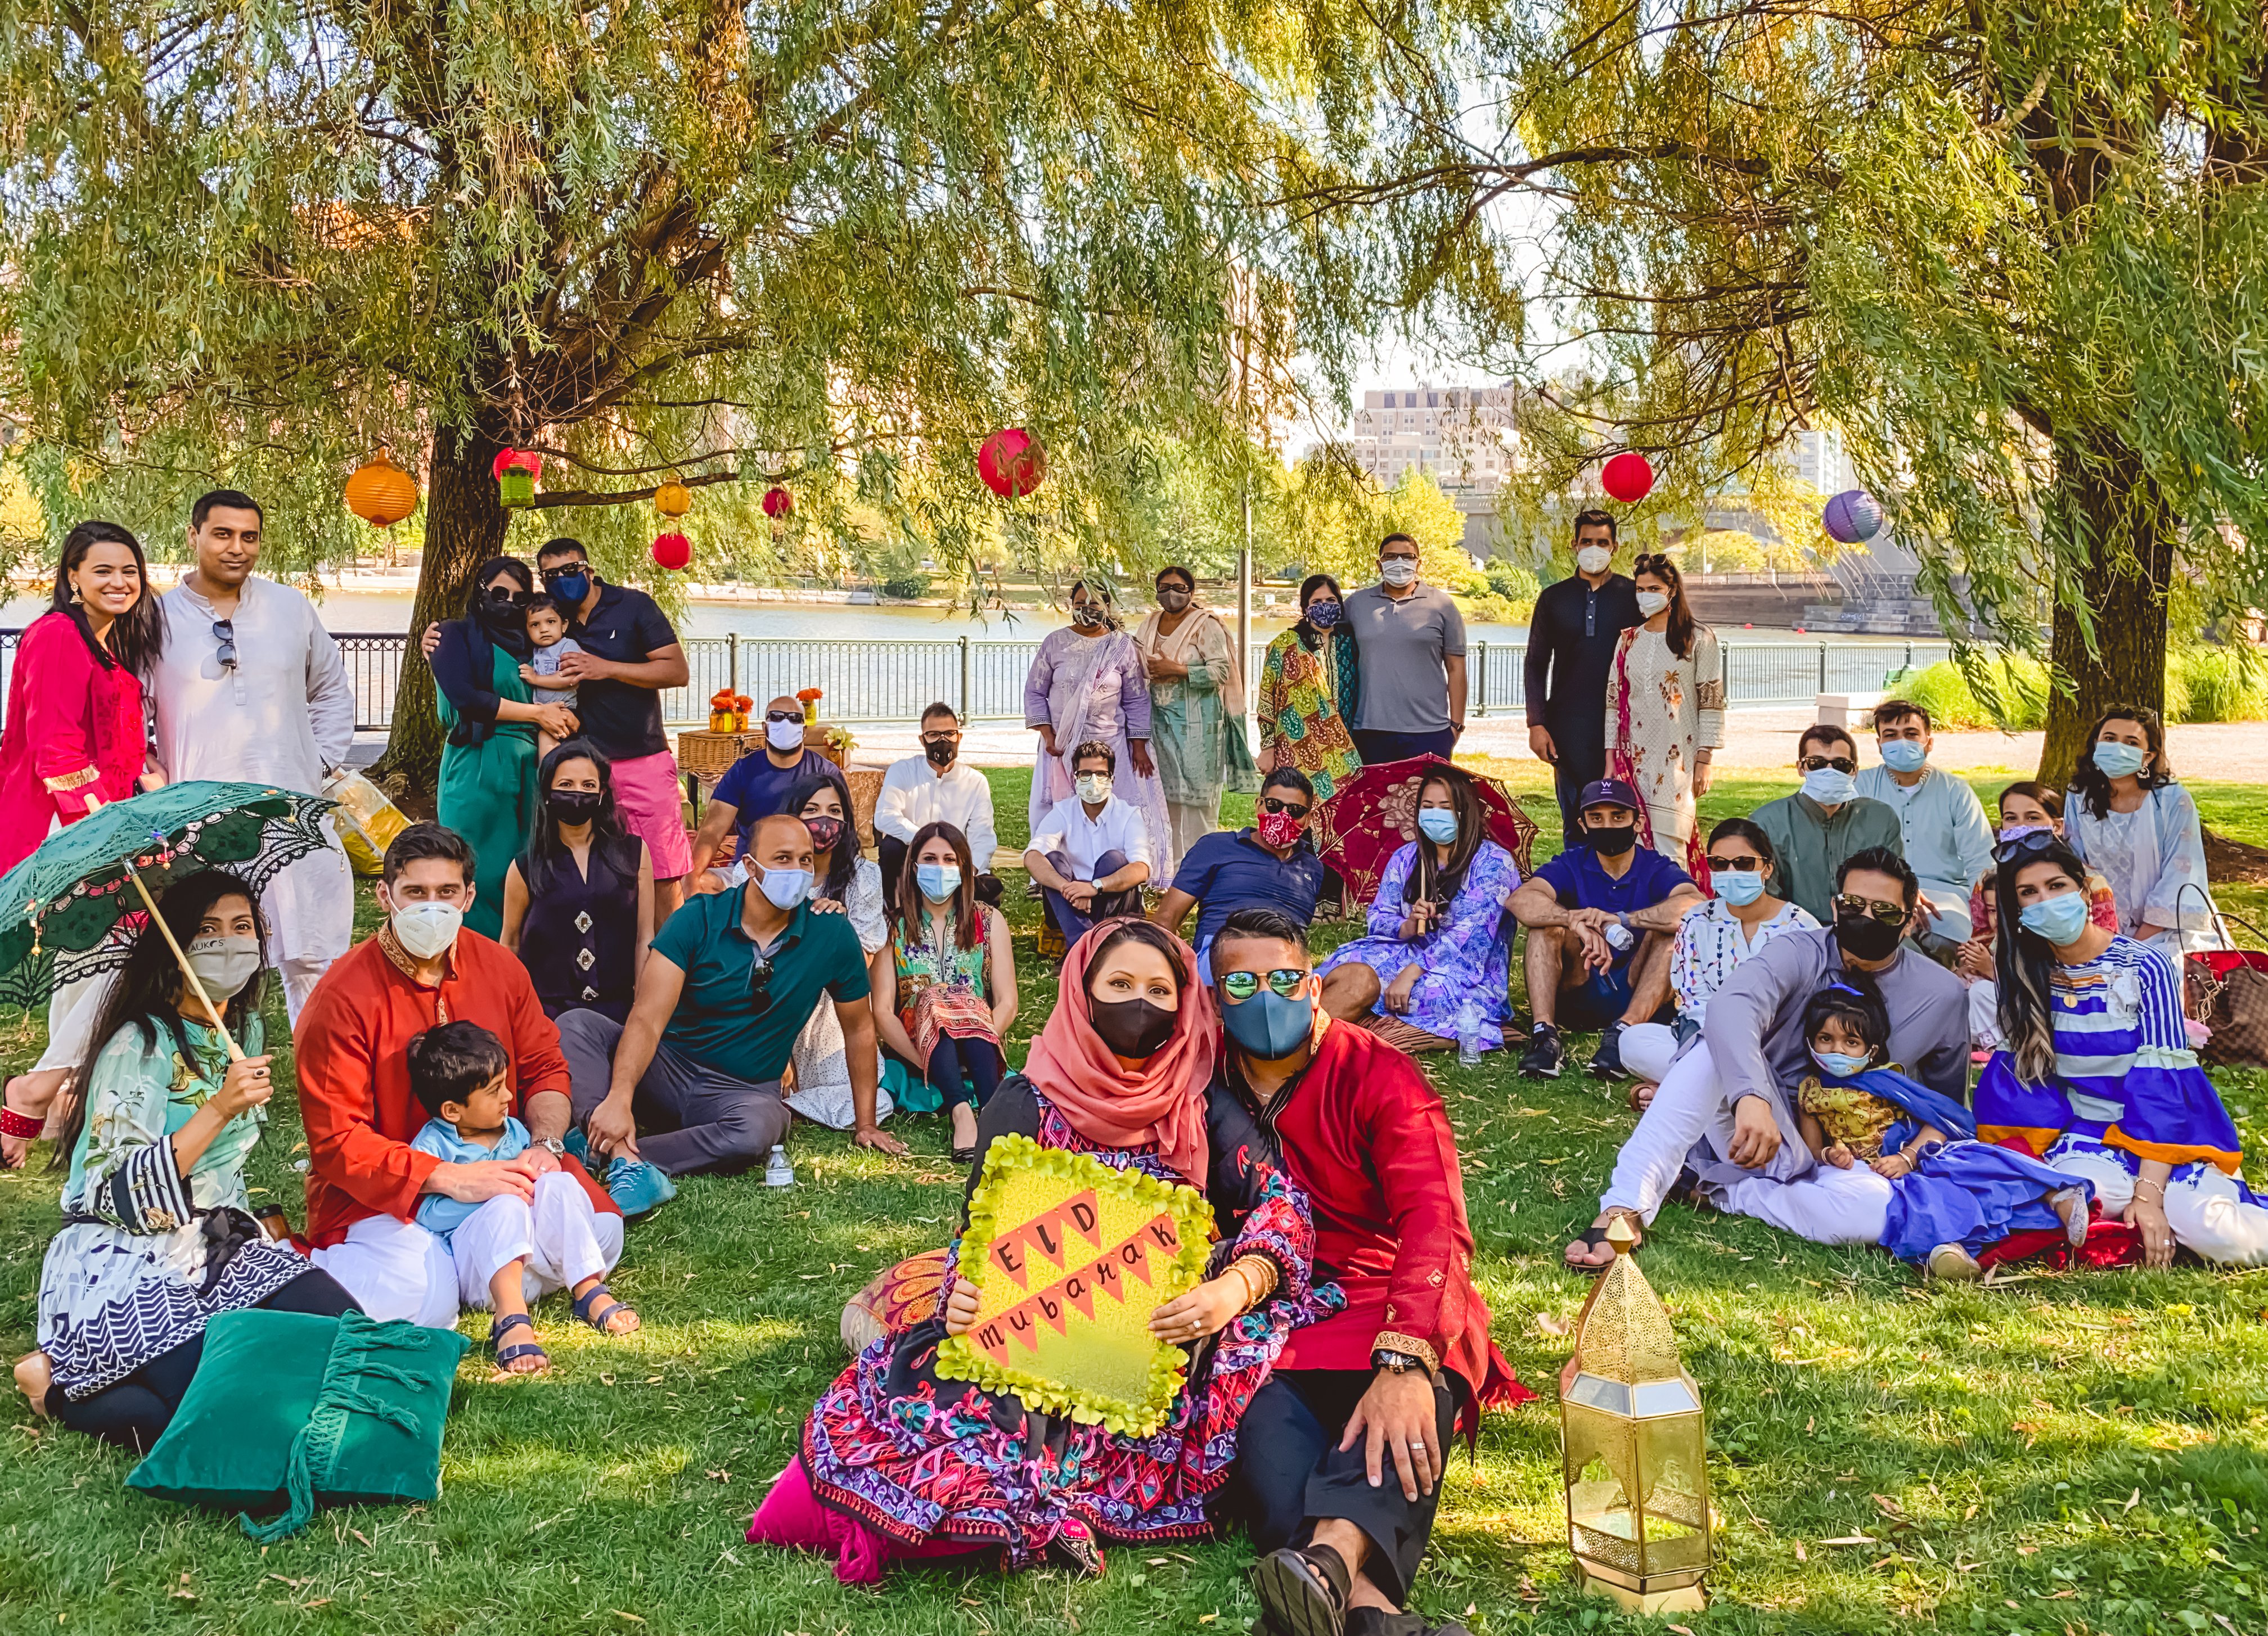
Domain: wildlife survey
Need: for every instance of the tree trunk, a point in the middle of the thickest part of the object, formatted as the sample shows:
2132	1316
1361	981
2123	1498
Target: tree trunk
464	527
2110	508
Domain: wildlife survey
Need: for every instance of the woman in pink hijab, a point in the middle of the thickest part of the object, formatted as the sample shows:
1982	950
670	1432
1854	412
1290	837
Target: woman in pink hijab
897	1463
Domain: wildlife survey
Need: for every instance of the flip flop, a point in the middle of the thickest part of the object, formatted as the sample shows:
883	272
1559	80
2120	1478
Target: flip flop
506	1356
1592	1237
1303	1590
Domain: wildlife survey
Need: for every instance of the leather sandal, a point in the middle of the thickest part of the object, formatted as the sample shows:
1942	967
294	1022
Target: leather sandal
598	1320
1303	1590
506	1356
1592	1237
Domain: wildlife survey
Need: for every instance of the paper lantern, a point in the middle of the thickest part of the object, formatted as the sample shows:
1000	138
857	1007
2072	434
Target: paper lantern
1853	516
1627	477
778	503
672	499
671	551
515	470
382	493
1012	462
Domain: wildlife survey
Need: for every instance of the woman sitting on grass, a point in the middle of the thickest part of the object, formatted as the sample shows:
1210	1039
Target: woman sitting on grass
898	1463
157	1236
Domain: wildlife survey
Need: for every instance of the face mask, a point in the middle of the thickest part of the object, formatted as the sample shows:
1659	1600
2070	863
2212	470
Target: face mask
825	831
570	588
937	881
1397	570
1903	755
1841	1064
1866	936
940	752
1093	788
783	889
1172	601
1594	559
1738	887
783	735
1132	1029
1270	1026
224	965
2060	920
1276	829
1830	788
1437	824
1613	840
1649	602
425	929
1324	614
1085	615
2119	760
572	806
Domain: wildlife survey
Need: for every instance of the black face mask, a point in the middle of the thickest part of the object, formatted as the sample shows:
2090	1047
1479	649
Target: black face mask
1133	1028
1866	936
1612	843
940	752
572	806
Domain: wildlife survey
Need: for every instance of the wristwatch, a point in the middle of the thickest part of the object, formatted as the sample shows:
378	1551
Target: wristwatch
558	1149
1395	1362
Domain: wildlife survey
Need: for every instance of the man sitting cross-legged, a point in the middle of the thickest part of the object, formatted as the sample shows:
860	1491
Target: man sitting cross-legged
1721	1108
1340	1457
1090	853
727	986
1601	918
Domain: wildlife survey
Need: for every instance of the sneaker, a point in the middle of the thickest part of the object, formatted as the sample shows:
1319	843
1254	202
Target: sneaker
1544	1054
1954	1265
636	1186
1607	1060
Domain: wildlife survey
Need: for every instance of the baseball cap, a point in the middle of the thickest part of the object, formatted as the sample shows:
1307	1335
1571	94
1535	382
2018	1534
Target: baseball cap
1607	792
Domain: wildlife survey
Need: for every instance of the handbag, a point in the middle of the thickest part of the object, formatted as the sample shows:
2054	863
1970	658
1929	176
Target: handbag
2227	990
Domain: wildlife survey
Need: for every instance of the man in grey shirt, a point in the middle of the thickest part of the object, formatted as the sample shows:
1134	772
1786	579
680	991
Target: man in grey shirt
1409	640
1722	1110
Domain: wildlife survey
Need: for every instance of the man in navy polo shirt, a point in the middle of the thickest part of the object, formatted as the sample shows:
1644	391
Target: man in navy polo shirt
1272	865
1601	919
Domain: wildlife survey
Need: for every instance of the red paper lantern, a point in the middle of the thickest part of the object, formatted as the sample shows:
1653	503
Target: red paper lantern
1011	462
1627	477
671	551
778	503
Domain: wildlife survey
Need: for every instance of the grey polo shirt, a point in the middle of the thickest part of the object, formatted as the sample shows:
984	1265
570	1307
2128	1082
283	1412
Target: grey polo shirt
1402	644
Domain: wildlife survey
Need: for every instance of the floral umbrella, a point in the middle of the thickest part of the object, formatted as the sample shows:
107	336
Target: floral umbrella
1370	816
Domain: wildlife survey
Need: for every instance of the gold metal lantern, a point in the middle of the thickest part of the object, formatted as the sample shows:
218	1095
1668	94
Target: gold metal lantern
1632	1447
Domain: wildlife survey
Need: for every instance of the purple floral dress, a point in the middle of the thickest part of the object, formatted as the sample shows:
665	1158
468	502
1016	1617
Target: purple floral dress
1467	957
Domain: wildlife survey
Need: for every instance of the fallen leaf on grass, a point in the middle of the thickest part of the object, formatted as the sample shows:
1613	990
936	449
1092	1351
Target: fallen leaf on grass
1888	1507
2027	1551
720	1477
1682	1630
1207	1618
1800	1555
320	1602
632	1617
1969	1515
1551	1325
2061	1595
1852	1539
2132	1500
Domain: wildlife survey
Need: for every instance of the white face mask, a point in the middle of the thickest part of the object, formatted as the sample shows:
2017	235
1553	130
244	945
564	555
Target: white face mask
426	930
1594	559
1397	570
783	735
1650	603
784	888
1093	788
223	965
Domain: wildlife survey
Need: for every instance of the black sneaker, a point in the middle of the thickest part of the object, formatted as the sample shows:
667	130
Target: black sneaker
1607	1060
1544	1054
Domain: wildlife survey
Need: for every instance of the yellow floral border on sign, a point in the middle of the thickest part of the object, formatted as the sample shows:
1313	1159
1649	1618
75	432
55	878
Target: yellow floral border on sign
957	1359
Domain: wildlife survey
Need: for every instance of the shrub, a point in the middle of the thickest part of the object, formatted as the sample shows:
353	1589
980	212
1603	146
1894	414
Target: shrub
2018	682
906	586
2214	683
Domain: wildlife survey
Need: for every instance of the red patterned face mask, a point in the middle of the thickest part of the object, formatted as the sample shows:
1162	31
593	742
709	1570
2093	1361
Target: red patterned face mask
1277	829
825	831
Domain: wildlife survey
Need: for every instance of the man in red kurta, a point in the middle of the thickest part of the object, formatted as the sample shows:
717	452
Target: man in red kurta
363	1180
1339	1458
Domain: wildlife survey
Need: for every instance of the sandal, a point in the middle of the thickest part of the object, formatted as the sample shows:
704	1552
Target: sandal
600	1320
506	1356
1303	1590
1593	1236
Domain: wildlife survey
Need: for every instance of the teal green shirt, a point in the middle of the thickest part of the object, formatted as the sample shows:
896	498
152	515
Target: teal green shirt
717	1022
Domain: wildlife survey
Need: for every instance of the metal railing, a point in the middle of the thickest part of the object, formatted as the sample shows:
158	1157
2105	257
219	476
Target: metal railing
892	681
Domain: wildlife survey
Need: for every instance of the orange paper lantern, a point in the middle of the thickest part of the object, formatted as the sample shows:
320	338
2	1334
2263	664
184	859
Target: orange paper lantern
672	499
671	551
382	493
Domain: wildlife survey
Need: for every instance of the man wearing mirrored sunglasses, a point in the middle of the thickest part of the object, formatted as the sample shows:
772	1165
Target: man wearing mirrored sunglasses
1340	1456
1271	865
1826	821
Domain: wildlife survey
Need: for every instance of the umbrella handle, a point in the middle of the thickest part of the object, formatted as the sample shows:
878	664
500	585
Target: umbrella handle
235	1051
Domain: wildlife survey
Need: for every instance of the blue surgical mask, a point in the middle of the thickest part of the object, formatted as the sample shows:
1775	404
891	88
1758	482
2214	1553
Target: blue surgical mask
1270	1026
1903	755
937	881
570	589
1437	824
1738	887
1829	787
1841	1064
784	888
2060	920
2118	759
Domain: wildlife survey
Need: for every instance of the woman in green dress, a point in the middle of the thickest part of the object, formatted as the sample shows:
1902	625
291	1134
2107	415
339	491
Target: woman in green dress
488	792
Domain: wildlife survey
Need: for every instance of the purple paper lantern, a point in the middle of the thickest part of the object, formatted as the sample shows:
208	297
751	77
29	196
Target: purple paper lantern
1852	517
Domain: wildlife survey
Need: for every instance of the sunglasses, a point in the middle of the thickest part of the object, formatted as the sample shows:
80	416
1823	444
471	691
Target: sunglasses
782	715
759	985
565	571
932	738
1269	803
1814	763
224	633
1743	865
1283	980
1865	909
2023	845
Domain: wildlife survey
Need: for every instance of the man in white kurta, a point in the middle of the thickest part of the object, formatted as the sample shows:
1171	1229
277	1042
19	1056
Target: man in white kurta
250	687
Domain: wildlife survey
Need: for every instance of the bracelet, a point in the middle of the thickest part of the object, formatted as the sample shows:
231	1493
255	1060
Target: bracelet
1259	1277
20	1125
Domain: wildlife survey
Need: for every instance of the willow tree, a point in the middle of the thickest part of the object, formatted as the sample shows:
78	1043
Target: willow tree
825	245
2017	251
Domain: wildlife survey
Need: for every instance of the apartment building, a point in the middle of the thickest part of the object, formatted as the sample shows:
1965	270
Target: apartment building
1461	436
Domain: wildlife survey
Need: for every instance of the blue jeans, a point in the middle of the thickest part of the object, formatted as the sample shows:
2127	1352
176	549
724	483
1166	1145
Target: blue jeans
1108	906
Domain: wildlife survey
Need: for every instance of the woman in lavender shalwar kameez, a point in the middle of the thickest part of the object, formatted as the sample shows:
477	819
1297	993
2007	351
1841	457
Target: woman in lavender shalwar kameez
1088	682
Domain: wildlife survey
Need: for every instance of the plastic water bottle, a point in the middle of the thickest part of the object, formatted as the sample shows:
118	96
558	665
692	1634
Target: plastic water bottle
778	1172
1469	1034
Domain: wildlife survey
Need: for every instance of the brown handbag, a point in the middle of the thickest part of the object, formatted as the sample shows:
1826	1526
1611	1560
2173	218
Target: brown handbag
2227	990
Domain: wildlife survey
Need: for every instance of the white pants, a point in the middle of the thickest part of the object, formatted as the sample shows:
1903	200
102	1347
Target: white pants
1984	1014
397	1271
1687	1105
1827	1206
1647	1048
1188	825
2207	1215
559	1239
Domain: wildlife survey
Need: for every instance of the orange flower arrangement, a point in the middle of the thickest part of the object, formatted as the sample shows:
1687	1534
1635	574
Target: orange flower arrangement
809	698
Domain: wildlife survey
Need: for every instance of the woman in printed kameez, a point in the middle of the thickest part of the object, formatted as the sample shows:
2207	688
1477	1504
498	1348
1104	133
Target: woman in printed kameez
158	1236
1665	713
1197	708
897	1463
1308	689
1087	683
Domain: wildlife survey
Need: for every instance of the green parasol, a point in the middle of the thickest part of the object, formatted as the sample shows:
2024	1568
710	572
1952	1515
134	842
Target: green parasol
72	910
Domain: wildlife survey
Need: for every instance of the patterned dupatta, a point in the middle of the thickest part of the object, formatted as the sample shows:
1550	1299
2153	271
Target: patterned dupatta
1622	765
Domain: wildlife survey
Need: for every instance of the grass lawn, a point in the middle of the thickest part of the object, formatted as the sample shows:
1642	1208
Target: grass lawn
2059	1453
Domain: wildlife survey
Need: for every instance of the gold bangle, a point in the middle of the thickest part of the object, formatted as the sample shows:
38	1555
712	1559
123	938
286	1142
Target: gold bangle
1259	1276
